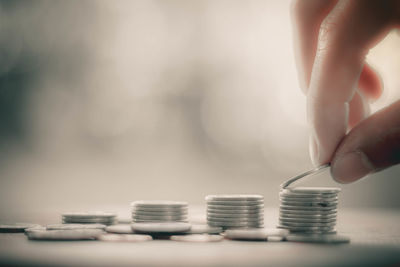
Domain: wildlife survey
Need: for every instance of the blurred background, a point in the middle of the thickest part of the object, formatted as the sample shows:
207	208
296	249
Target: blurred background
106	102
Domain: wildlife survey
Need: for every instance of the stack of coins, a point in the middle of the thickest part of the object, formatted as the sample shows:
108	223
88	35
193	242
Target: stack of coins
159	211
235	211
308	210
105	218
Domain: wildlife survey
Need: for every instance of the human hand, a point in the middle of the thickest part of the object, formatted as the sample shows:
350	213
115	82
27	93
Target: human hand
332	41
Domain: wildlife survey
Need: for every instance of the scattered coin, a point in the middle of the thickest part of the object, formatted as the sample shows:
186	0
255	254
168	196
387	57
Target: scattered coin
119	229
275	238
204	229
74	226
124	237
197	238
255	234
78	234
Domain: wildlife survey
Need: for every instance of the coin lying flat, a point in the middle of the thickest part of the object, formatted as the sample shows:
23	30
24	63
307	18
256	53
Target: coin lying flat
204	229
74	226
124	238
163	227
258	234
197	238
312	238
16	227
81	234
276	238
119	229
34	228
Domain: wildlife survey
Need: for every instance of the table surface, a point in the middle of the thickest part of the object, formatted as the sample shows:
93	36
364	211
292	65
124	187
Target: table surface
375	240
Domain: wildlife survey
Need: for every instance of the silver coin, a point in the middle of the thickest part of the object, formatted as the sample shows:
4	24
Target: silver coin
78	234
318	238
162	212
157	221
119	229
160	217
233	217
124	221
301	224
309	229
309	204
307	219
291	207
308	216
238	208
236	203
124	238
254	234
197	238
234	197
159	203
204	229
312	190
236	212
162	227
297	197
214	219
87	221
237	224
276	239
308	212
89	215
34	228
16	227
74	226
314	171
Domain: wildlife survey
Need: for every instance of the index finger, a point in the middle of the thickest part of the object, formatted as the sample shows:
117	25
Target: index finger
345	37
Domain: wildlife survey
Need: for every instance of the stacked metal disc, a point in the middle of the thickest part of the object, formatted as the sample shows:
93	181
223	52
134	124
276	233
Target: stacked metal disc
309	210
159	211
105	218
235	211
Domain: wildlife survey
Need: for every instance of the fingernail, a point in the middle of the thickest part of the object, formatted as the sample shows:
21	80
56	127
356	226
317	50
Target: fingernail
313	147
351	167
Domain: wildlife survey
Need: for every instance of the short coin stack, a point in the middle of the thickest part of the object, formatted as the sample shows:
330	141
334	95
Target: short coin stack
235	211
159	211
308	210
105	218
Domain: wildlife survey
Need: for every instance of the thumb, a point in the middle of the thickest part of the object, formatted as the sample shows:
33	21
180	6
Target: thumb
374	144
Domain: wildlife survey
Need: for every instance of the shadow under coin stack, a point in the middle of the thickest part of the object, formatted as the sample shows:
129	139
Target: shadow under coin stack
308	210
235	211
159	211
90	217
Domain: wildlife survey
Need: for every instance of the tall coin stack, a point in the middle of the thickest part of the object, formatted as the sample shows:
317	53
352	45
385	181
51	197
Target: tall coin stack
308	210
235	211
159	211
